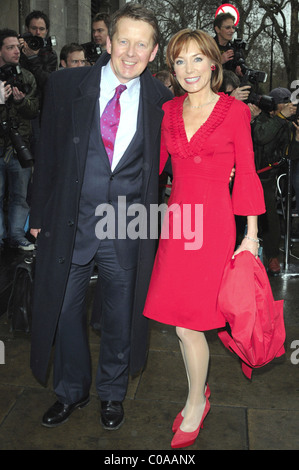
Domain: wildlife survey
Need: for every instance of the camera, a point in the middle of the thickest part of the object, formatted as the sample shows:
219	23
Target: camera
251	77
36	42
10	128
254	77
92	51
238	47
11	75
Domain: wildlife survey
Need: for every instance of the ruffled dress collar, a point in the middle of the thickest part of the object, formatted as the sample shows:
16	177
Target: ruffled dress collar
188	148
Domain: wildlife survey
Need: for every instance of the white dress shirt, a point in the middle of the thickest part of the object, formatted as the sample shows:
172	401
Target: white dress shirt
129	103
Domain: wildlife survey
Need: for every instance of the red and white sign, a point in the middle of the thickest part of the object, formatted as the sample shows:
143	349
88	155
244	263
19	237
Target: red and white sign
228	8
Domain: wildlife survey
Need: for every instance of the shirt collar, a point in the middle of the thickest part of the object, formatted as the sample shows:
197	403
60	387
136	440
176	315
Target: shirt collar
109	81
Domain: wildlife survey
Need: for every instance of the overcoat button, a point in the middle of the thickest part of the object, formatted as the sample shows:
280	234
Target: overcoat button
70	223
61	260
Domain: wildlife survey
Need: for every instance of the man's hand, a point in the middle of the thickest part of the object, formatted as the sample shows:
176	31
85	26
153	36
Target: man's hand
296	124
232	174
254	110
27	51
17	94
241	93
288	110
34	232
227	55
7	91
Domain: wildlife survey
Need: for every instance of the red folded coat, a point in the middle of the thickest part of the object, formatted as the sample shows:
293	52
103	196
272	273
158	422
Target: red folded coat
254	317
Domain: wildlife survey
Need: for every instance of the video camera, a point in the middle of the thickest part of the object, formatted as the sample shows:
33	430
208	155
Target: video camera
10	128
11	75
92	51
36	42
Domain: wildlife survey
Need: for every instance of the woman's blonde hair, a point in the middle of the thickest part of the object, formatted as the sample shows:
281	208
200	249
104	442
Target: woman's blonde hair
207	46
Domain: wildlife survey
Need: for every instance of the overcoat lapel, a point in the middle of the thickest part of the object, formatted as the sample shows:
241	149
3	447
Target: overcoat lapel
153	116
83	109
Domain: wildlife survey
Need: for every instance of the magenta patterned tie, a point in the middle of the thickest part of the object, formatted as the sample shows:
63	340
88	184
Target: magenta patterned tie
110	121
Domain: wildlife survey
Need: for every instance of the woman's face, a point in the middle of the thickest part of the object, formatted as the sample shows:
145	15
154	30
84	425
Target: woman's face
193	69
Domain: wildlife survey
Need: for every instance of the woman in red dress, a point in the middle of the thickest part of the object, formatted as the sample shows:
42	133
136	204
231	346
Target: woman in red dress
207	134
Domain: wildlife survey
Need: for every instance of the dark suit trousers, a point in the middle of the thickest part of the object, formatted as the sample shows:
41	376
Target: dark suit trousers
72	364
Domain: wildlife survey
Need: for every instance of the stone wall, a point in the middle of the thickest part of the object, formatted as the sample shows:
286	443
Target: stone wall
70	19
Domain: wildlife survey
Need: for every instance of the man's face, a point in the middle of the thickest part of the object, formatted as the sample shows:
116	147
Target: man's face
74	59
132	48
281	108
99	33
10	51
37	27
226	31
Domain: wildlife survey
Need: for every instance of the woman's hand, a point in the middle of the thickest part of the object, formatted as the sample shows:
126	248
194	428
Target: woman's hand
248	245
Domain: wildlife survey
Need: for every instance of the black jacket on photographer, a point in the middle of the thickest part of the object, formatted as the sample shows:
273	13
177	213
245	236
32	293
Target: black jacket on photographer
272	137
20	113
230	64
40	65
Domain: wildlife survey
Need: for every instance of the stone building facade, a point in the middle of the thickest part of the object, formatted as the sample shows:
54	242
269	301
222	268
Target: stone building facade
70	19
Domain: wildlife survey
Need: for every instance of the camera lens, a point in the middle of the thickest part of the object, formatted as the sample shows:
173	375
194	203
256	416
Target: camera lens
35	43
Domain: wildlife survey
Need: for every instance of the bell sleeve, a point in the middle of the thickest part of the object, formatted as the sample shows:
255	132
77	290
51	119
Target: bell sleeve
247	195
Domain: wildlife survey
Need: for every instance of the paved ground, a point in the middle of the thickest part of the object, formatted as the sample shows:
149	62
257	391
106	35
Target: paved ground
245	415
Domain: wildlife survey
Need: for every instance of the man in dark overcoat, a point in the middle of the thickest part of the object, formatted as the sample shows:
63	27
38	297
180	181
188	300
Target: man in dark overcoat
74	185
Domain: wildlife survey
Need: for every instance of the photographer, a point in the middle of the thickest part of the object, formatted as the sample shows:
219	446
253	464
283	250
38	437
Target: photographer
40	61
72	55
231	86
18	106
95	48
272	134
224	26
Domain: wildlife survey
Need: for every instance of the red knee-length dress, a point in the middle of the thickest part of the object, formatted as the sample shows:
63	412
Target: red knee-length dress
186	276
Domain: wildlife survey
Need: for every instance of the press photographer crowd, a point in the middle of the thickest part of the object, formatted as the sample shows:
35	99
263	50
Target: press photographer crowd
27	59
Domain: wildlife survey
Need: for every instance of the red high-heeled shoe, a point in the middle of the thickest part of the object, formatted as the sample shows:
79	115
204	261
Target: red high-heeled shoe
179	418
184	439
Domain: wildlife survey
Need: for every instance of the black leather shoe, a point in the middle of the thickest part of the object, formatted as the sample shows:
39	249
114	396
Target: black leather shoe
59	412
112	415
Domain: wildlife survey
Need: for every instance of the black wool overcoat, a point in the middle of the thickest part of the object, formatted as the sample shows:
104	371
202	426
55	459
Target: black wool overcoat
66	122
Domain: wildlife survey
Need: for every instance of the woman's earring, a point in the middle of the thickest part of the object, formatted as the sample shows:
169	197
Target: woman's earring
213	67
